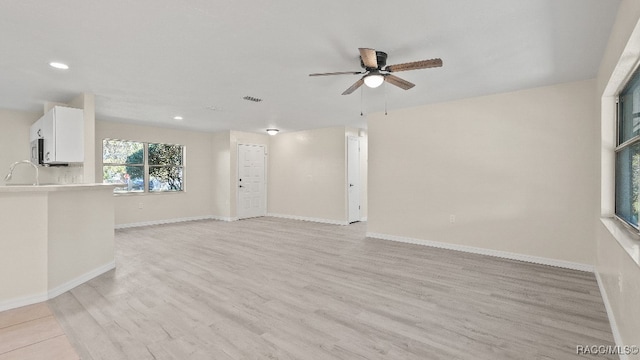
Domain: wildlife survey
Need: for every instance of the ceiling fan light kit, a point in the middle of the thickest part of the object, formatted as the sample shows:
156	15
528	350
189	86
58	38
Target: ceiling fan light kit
376	70
373	80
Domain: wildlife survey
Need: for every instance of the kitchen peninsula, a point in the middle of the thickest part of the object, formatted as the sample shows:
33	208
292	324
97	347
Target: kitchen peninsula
53	238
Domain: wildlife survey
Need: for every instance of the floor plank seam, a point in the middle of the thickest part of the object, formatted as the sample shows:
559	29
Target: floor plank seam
25	322
32	344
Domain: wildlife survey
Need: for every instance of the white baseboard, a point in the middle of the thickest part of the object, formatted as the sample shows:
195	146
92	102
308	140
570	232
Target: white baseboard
22	301
490	252
612	319
223	218
177	220
81	279
37	298
304	218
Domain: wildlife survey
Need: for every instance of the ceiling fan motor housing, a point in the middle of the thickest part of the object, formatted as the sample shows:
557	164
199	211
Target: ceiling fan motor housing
381	56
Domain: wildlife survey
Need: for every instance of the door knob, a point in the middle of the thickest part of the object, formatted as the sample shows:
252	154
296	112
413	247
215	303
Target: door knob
351	185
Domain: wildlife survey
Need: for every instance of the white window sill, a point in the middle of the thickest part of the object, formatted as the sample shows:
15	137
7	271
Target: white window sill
629	241
152	193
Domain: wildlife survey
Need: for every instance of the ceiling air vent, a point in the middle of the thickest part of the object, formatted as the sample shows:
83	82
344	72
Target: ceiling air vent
251	98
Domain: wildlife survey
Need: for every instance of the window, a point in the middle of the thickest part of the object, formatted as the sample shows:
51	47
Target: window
628	152
123	162
143	167
165	167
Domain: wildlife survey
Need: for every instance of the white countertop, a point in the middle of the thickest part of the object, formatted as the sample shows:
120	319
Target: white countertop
54	187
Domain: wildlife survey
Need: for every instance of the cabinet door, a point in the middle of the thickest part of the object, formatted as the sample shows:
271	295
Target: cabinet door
69	135
35	131
49	136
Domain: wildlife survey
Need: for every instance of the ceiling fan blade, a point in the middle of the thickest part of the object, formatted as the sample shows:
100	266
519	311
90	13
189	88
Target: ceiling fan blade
354	87
369	57
338	73
401	83
423	64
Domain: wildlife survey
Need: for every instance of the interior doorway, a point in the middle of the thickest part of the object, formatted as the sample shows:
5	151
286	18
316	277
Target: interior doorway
252	192
353	178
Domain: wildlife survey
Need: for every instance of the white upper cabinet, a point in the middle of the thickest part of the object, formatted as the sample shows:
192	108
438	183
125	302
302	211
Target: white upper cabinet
62	129
35	132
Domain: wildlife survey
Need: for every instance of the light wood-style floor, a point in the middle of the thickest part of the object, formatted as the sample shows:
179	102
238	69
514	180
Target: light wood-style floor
272	288
31	332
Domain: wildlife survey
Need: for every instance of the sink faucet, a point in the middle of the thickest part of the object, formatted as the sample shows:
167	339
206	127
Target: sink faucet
13	166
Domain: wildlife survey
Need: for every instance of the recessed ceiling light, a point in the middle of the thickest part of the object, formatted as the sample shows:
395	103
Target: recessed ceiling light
177	118
58	65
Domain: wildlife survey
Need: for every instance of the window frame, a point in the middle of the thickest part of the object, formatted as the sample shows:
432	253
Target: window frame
142	165
149	166
635	74
146	168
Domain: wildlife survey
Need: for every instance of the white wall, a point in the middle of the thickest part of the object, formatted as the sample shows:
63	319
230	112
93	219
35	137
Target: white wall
307	174
221	175
195	201
14	143
516	169
80	234
364	175
619	274
87	102
23	248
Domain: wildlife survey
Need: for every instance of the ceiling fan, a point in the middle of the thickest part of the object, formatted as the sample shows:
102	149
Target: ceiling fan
376	70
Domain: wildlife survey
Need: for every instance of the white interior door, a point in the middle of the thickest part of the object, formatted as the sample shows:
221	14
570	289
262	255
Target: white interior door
353	178
252	194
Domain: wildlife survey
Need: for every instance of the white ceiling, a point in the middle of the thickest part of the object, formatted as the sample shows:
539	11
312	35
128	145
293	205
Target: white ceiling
149	60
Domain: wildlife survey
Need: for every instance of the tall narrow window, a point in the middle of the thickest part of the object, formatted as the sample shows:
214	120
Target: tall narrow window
123	163
165	167
628	152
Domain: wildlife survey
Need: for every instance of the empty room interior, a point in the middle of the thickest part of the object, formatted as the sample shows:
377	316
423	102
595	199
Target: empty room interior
320	180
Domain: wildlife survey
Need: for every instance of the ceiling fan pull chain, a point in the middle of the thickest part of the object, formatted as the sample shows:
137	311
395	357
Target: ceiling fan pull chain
385	99
361	97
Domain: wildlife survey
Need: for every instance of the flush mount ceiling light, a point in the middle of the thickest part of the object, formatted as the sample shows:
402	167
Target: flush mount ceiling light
177	118
272	131
59	65
373	80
